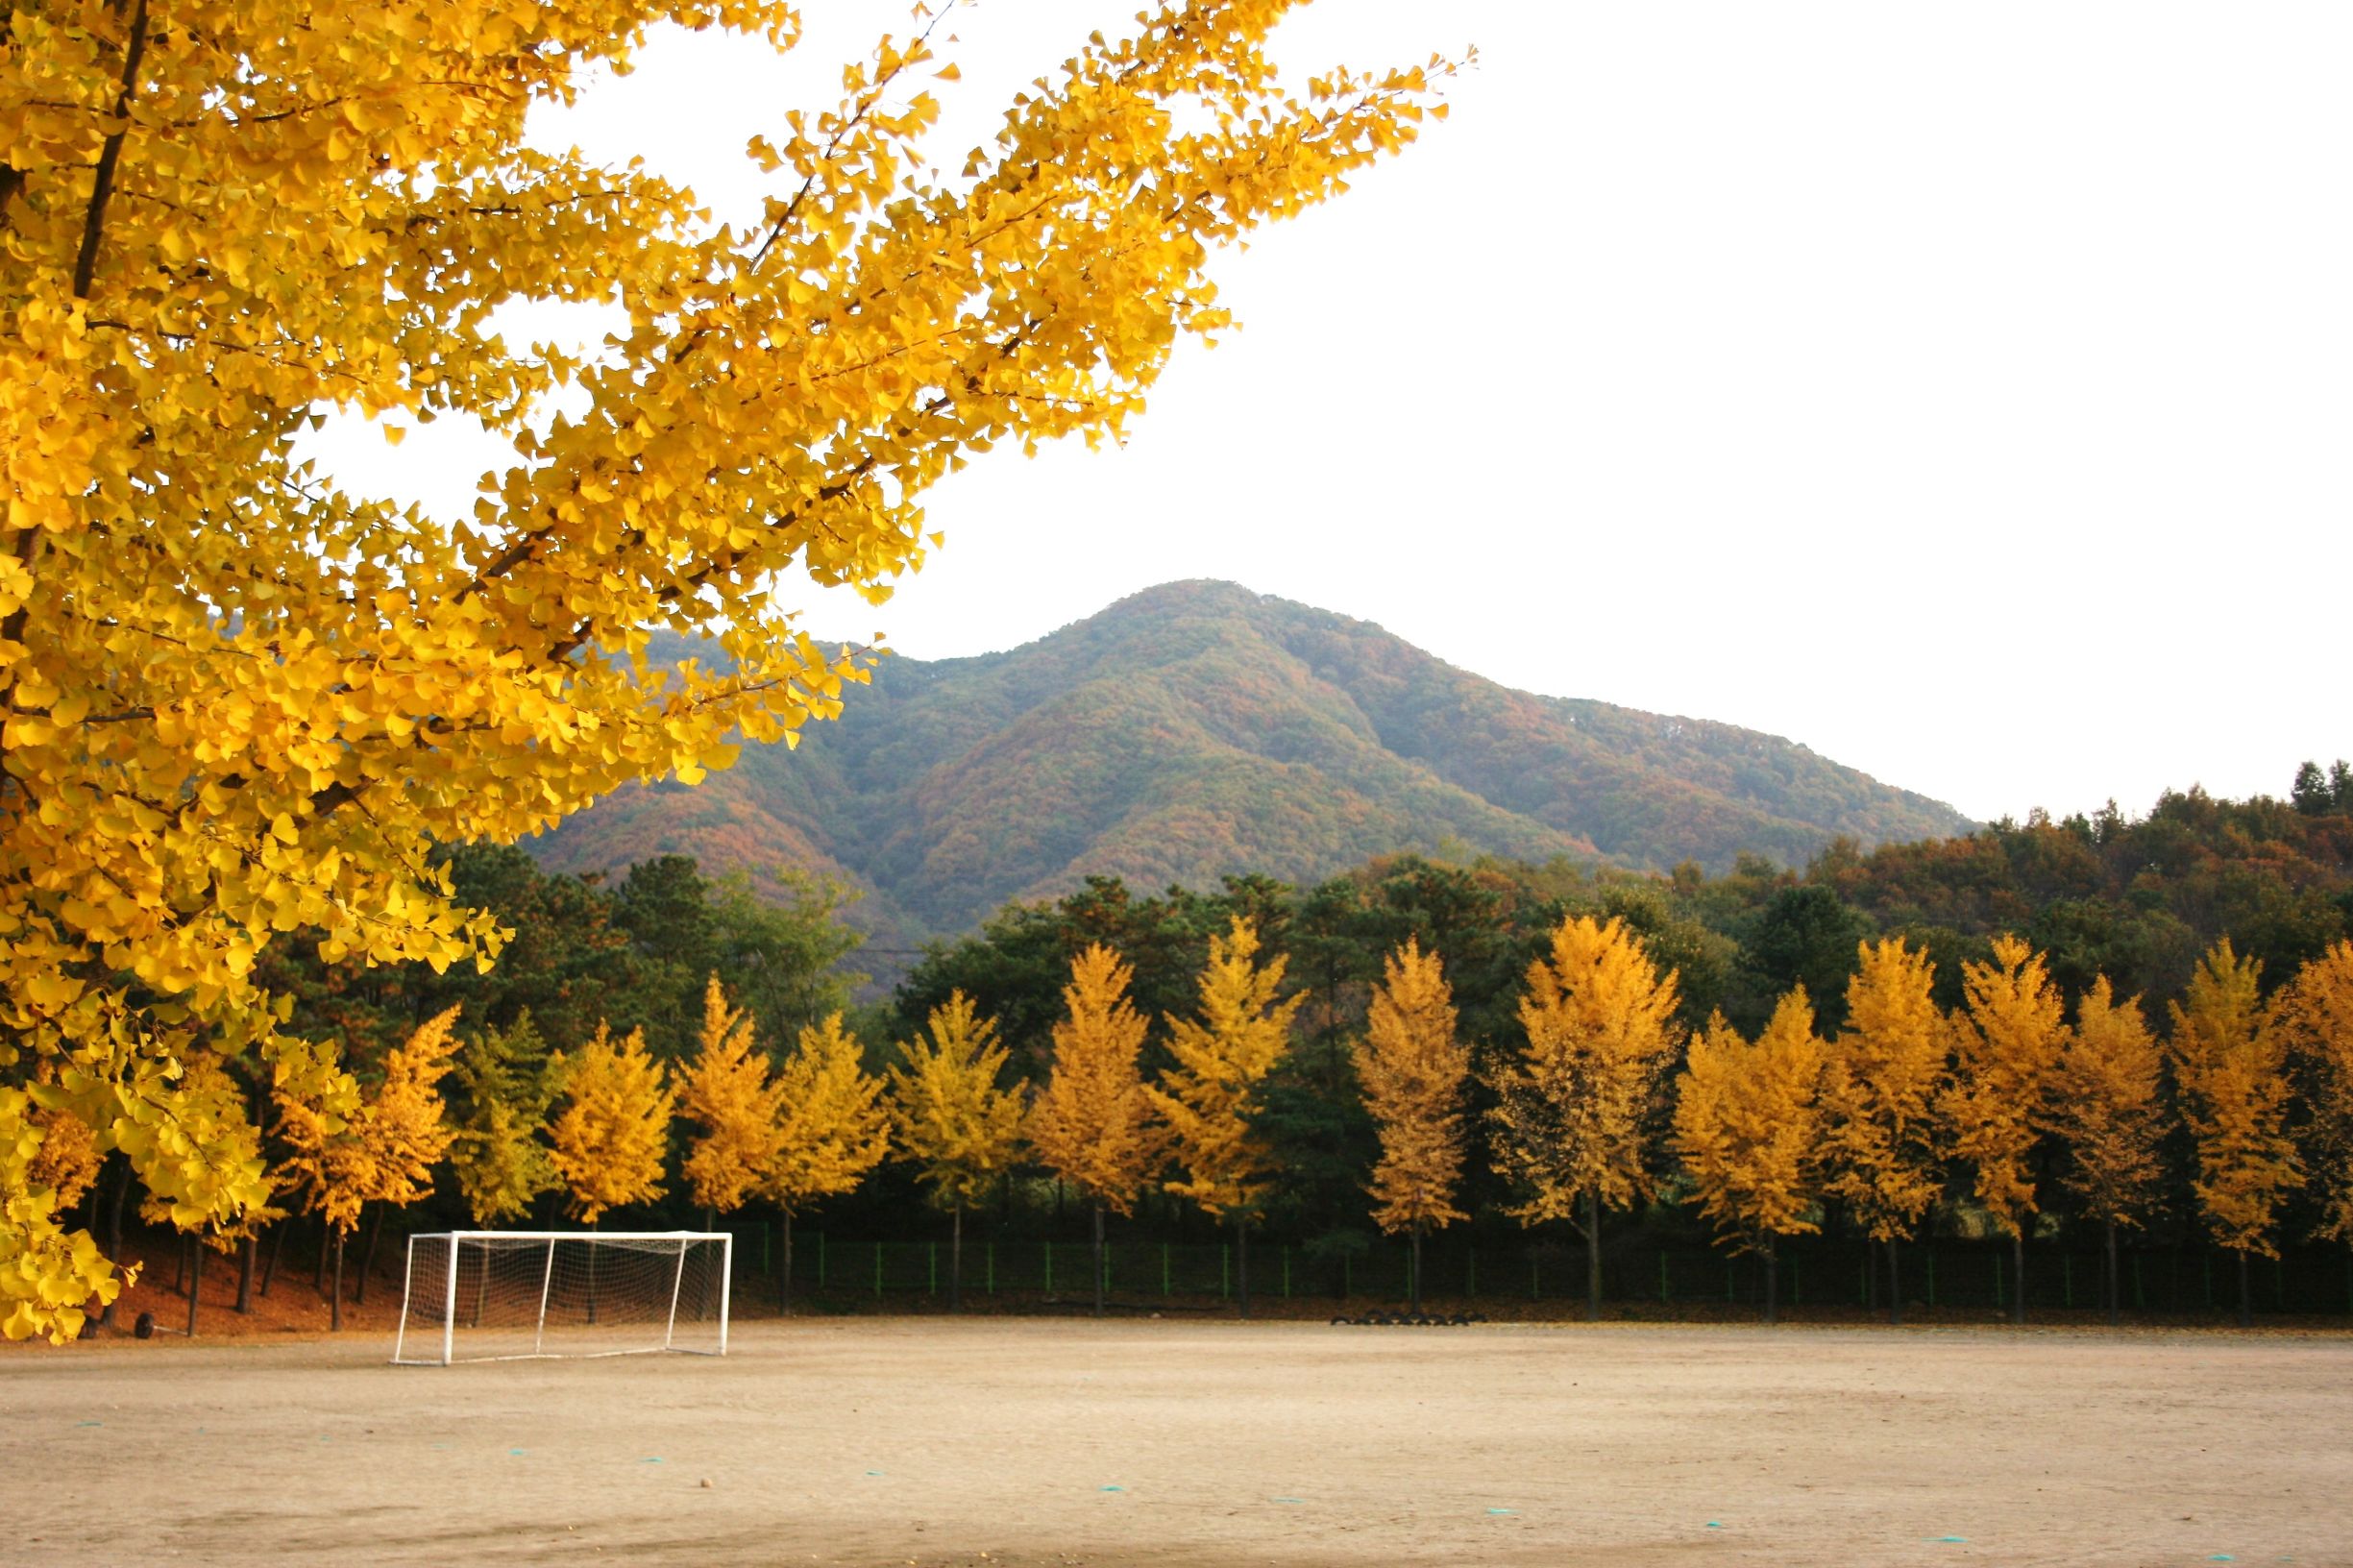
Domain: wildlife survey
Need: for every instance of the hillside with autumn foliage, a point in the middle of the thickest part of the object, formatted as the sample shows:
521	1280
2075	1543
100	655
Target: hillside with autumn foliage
1198	730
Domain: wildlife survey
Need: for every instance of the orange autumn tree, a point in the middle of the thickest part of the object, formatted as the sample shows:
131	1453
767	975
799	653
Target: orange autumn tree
1879	1086
953	1117
240	700
1211	1095
2007	1043
833	1129
351	1150
1092	1124
1412	1067
2317	1015
726	1092
2105	1108
2230	1063
1571	1107
1748	1131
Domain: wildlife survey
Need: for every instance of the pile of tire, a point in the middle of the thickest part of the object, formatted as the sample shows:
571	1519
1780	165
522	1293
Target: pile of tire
1378	1319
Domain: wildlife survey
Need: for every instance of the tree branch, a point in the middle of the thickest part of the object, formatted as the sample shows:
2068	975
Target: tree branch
85	266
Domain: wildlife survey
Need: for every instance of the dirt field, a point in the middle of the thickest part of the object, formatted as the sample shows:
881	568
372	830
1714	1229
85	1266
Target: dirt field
897	1441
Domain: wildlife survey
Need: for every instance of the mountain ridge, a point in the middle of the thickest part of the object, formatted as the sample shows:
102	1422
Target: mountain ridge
1195	729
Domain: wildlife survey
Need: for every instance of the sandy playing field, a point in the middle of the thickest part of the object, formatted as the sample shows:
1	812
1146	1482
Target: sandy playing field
1027	1441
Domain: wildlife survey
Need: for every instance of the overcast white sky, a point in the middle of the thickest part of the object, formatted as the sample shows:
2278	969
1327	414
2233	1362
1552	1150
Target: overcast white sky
1964	391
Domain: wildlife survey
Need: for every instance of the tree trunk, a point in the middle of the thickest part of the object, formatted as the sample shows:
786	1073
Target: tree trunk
1098	1258
2116	1282
114	1230
245	1271
2246	1294
784	1281
1593	1256
334	1312
196	1276
1773	1280
592	1276
1895	1285
367	1259
327	1245
1416	1281
955	1261
180	1266
1242	1263
2018	1267
278	1245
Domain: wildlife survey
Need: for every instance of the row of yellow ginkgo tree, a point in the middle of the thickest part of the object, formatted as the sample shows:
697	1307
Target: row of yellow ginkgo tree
1764	1135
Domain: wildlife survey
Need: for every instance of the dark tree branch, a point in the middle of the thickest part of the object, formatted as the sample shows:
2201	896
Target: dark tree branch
103	186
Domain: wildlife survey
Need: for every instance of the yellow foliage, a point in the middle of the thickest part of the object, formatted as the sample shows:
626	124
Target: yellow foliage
2230	1062
2316	1015
502	1165
1093	1123
609	1141
1880	1087
2104	1106
1412	1067
237	701
1569	1114
47	1274
347	1150
1221	1058
69	1159
726	1089
834	1127
952	1118
2007	1045
1748	1124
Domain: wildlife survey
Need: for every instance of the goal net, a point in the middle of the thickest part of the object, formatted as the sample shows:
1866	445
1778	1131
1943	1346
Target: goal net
501	1295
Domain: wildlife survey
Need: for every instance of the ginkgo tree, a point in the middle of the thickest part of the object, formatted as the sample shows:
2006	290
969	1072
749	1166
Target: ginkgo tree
1412	1064
954	1118
1093	1123
1213	1090
237	700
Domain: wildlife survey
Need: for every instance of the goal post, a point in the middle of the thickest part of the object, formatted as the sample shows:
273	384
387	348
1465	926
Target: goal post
511	1295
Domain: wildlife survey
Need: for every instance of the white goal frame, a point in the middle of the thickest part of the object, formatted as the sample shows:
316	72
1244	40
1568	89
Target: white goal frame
446	1288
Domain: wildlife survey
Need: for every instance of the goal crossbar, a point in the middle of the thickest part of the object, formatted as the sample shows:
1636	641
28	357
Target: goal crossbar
513	1295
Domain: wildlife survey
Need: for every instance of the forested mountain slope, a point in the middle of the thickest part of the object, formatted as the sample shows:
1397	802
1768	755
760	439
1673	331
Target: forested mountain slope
1197	729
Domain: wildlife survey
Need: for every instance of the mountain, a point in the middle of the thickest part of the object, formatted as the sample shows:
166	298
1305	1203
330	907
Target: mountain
1197	729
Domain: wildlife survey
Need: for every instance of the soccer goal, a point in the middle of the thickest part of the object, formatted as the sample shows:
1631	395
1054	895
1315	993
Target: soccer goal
506	1295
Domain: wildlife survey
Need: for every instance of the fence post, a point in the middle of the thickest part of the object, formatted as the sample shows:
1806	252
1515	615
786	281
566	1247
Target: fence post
2066	1279
1049	1268
1662	1276
1470	1275
1347	1283
877	1271
1794	1298
1164	1291
820	1260
932	1287
1731	1288
1862	1279
2206	1263
1535	1278
1225	1269
2140	1300
1929	1253
1286	1273
2000	1297
989	1253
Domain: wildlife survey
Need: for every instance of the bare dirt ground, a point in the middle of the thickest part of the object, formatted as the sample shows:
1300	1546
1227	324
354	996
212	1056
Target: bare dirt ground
1197	1445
